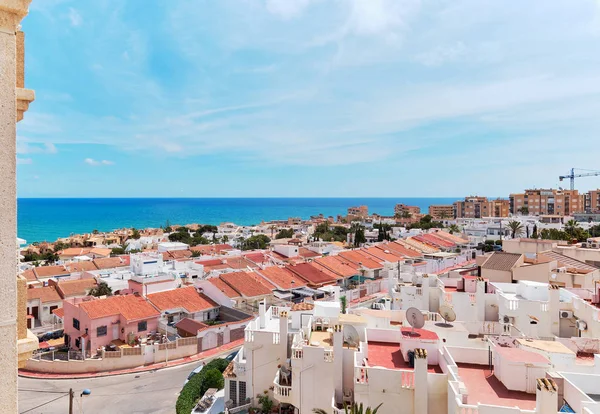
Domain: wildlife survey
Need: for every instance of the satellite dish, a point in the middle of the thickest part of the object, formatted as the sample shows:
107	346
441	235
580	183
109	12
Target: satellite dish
448	314
351	336
415	319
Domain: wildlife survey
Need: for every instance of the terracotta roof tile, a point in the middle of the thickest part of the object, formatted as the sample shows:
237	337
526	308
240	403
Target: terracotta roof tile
71	288
400	249
312	274
130	306
337	264
180	254
190	326
247	283
85	266
187	298
383	254
45	294
306	253
50	271
74	251
304	306
224	287
29	275
111	262
60	312
358	257
281	277
240	262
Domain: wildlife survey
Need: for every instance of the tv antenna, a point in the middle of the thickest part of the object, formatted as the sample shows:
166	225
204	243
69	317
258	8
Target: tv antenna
415	319
448	314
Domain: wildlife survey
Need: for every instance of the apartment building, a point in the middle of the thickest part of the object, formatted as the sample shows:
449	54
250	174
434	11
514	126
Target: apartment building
441	211
479	207
547	202
402	209
592	201
359	212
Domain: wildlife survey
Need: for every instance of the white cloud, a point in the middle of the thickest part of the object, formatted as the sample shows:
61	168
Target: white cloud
75	17
24	147
93	162
21	161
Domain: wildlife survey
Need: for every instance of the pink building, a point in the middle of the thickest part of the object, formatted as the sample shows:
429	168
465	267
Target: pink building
91	323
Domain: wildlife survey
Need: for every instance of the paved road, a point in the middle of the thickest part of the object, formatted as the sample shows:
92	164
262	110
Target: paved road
147	392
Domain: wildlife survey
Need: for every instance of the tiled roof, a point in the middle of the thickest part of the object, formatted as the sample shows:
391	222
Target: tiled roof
211	248
240	262
60	312
400	249
74	251
281	277
84	266
186	297
435	240
311	274
100	251
302	306
383	254
423	247
337	264
45	294
130	306
501	261
180	254
50	271
306	253
190	325
70	288
111	262
363	259
257	257
210	262
568	262
248	284
450	237
29	275
224	287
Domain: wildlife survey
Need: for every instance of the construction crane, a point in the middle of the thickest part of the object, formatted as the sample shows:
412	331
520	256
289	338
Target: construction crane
572	175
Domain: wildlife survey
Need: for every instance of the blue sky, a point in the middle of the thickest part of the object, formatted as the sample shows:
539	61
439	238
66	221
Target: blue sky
308	97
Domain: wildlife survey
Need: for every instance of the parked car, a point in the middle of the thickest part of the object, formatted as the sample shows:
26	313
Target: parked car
194	372
231	356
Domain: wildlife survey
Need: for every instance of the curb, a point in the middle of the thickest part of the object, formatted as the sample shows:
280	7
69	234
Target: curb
172	364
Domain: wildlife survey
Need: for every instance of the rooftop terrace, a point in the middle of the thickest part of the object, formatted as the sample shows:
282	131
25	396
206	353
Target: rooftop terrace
388	355
483	387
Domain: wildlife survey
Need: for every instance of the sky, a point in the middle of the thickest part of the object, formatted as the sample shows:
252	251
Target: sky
314	98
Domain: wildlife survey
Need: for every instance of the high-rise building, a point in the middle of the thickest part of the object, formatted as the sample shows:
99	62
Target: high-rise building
592	201
441	211
401	209
478	207
541	201
358	212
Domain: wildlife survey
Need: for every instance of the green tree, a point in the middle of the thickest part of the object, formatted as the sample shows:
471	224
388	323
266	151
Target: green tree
352	409
516	228
359	236
101	290
259	241
135	234
454	229
58	246
196	253
211	376
285	234
225	239
116	251
534	233
343	303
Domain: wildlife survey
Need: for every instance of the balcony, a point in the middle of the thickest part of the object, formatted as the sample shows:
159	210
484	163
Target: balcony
282	393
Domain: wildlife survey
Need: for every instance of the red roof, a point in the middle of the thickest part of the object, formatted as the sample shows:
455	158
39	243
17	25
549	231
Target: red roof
50	271
383	254
358	257
186	297
312	274
130	306
248	284
307	253
240	262
81	287
60	312
45	294
338	265
521	355
281	277
419	334
400	249
224	287
112	262
257	257
190	325
84	266
435	240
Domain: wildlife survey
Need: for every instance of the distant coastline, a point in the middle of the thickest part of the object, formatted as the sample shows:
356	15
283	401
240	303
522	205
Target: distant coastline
46	219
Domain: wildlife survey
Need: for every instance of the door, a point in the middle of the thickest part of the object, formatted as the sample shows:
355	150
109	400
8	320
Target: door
149	354
115	332
532	374
209	341
35	312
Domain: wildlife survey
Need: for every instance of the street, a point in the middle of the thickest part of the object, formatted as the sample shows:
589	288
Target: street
146	392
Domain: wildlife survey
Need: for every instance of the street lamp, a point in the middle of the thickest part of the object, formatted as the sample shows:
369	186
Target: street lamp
86	391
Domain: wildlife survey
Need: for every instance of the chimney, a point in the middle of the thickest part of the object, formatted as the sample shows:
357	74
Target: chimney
480	298
546	396
262	314
338	366
554	308
283	328
421	392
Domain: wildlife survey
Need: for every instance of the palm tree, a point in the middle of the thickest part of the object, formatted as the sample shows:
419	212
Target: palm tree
516	228
351	409
571	226
454	229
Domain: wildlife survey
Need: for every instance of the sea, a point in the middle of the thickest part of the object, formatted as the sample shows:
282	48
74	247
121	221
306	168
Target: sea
47	219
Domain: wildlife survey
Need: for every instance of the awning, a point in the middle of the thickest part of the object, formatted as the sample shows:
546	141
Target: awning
308	292
282	295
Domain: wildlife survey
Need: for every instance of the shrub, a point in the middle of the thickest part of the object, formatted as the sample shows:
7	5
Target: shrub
210	377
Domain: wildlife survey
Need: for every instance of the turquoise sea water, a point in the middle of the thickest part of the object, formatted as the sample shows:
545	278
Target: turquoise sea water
49	218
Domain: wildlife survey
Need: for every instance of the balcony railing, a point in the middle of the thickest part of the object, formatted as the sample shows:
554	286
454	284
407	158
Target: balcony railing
282	393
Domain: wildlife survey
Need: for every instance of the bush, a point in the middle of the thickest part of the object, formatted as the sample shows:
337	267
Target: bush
210	377
498	242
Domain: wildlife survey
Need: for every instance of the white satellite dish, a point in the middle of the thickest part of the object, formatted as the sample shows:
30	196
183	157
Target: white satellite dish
448	314
415	319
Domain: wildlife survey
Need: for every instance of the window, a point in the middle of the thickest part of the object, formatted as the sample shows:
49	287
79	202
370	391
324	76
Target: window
101	330
76	323
142	326
242	392
233	392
